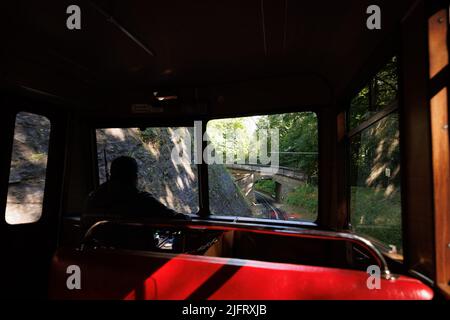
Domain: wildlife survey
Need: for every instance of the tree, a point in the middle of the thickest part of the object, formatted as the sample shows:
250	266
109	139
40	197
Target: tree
375	149
298	139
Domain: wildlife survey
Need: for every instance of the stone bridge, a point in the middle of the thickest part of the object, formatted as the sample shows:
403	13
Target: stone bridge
286	179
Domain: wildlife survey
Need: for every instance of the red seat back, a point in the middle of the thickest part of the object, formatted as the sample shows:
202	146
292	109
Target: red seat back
134	275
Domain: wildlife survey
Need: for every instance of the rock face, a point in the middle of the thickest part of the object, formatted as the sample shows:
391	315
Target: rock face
30	148
28	168
175	184
225	196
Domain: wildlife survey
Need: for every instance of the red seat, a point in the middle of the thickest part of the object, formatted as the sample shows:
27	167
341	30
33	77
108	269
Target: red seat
137	275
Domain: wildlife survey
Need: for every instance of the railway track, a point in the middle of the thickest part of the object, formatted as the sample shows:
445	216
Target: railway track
270	209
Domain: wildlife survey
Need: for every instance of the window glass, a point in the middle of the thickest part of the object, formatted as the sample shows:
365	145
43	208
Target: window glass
173	183
379	93
375	195
375	182
264	166
28	169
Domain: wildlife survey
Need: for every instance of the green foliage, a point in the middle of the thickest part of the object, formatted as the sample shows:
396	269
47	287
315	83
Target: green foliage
304	199
266	186
231	137
376	214
298	140
375	150
381	90
359	107
298	149
375	160
150	135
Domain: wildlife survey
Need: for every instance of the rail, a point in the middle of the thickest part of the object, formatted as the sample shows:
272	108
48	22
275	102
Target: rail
227	226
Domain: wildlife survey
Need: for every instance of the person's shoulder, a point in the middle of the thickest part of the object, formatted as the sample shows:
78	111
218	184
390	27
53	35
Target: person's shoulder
144	195
102	189
147	200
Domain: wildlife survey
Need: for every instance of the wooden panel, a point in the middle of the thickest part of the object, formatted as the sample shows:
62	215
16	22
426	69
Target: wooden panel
438	56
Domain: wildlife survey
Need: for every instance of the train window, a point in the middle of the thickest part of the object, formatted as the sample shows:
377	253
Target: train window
375	192
174	184
264	166
28	169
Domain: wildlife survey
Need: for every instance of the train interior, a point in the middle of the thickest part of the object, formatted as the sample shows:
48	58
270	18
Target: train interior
359	120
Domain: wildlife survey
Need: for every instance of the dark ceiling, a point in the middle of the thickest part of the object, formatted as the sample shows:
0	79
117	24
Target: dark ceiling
198	43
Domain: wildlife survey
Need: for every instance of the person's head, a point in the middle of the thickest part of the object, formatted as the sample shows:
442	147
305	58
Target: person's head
124	170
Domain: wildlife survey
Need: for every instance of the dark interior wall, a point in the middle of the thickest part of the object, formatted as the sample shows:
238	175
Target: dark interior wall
271	95
30	245
6	139
80	174
268	95
207	50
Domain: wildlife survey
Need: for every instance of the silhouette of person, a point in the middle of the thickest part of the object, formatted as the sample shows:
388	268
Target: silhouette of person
120	197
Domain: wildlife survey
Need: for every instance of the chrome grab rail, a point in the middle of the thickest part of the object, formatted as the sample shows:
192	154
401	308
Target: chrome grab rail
257	228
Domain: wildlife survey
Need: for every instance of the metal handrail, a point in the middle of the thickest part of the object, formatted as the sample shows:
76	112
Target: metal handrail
256	228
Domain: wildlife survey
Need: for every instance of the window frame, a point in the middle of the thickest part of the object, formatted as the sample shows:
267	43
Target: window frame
165	124
202	169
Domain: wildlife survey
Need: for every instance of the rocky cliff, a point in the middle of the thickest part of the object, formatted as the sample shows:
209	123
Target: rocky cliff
28	164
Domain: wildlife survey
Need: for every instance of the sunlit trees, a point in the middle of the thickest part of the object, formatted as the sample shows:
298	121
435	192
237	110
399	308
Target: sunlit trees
298	140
